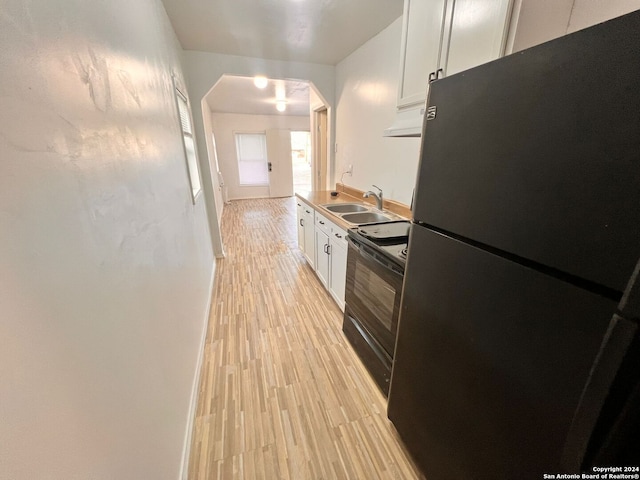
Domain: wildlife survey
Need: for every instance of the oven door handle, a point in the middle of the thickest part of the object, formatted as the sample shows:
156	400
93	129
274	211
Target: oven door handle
361	250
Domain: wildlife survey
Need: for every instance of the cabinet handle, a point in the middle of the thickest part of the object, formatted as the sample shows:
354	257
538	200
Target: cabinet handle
307	211
438	72
432	77
299	205
302	222
339	236
326	249
320	222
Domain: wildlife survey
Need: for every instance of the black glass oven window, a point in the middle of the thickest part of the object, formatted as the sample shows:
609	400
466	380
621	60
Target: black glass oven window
376	294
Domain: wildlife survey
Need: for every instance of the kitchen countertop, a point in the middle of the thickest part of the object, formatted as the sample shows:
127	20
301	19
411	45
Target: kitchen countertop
318	198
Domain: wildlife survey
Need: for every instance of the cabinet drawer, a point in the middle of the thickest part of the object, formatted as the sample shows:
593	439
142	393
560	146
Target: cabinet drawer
338	235
323	224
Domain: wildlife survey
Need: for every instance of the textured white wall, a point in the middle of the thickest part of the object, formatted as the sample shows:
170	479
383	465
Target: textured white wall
225	125
366	95
105	264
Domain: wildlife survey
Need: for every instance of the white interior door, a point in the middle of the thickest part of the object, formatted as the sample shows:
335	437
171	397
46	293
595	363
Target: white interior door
280	166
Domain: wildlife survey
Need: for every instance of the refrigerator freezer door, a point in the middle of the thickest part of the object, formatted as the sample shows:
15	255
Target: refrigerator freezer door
490	363
538	154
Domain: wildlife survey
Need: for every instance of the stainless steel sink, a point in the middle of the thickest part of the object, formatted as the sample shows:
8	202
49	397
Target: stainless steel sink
345	208
366	217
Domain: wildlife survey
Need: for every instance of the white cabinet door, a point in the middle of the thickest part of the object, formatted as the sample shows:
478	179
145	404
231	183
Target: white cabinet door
300	224
439	38
477	34
322	256
338	267
420	49
309	237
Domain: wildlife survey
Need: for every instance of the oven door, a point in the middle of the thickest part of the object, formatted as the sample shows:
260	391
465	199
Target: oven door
372	295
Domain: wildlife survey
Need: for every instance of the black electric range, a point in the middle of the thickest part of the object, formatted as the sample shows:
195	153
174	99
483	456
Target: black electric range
375	271
390	238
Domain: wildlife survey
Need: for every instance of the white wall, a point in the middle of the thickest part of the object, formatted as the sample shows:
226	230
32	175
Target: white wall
538	21
366	95
590	12
105	264
225	125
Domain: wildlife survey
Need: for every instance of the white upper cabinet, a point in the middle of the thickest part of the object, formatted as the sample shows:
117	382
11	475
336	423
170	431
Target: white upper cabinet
420	48
443	37
478	33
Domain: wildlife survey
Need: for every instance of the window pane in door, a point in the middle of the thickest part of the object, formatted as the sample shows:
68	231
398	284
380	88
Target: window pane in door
252	159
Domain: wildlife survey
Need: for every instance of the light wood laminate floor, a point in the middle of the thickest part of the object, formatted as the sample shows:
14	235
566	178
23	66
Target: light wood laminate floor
282	394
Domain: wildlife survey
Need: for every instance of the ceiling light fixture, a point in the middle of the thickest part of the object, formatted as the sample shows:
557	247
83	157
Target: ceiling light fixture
281	106
260	81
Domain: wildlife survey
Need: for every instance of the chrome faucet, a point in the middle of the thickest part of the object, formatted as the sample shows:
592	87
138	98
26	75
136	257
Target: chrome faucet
377	196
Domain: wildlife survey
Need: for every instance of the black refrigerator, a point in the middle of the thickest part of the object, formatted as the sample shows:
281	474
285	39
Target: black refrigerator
517	351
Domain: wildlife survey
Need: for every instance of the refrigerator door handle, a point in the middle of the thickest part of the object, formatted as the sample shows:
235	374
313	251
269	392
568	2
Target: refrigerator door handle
615	344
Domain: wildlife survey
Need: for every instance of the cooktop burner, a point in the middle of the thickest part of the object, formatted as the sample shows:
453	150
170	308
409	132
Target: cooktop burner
398	252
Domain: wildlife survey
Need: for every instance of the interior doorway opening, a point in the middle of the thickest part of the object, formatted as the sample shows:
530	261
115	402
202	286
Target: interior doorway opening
320	152
235	104
301	161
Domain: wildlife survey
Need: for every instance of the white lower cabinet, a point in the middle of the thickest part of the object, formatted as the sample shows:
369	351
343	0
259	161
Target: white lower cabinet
337	264
324	245
300	225
309	235
323	230
331	257
322	257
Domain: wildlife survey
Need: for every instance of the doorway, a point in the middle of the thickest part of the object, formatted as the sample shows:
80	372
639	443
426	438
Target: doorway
259	165
301	161
319	162
235	104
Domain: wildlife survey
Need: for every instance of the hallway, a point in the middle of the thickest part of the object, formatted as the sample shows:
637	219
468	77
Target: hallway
282	394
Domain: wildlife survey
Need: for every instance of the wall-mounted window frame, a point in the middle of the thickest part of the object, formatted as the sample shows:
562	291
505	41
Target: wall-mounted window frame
188	141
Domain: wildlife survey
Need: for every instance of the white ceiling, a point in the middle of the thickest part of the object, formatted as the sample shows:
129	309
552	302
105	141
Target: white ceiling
315	31
233	94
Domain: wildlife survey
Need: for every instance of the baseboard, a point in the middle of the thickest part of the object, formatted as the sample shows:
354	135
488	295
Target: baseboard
193	404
